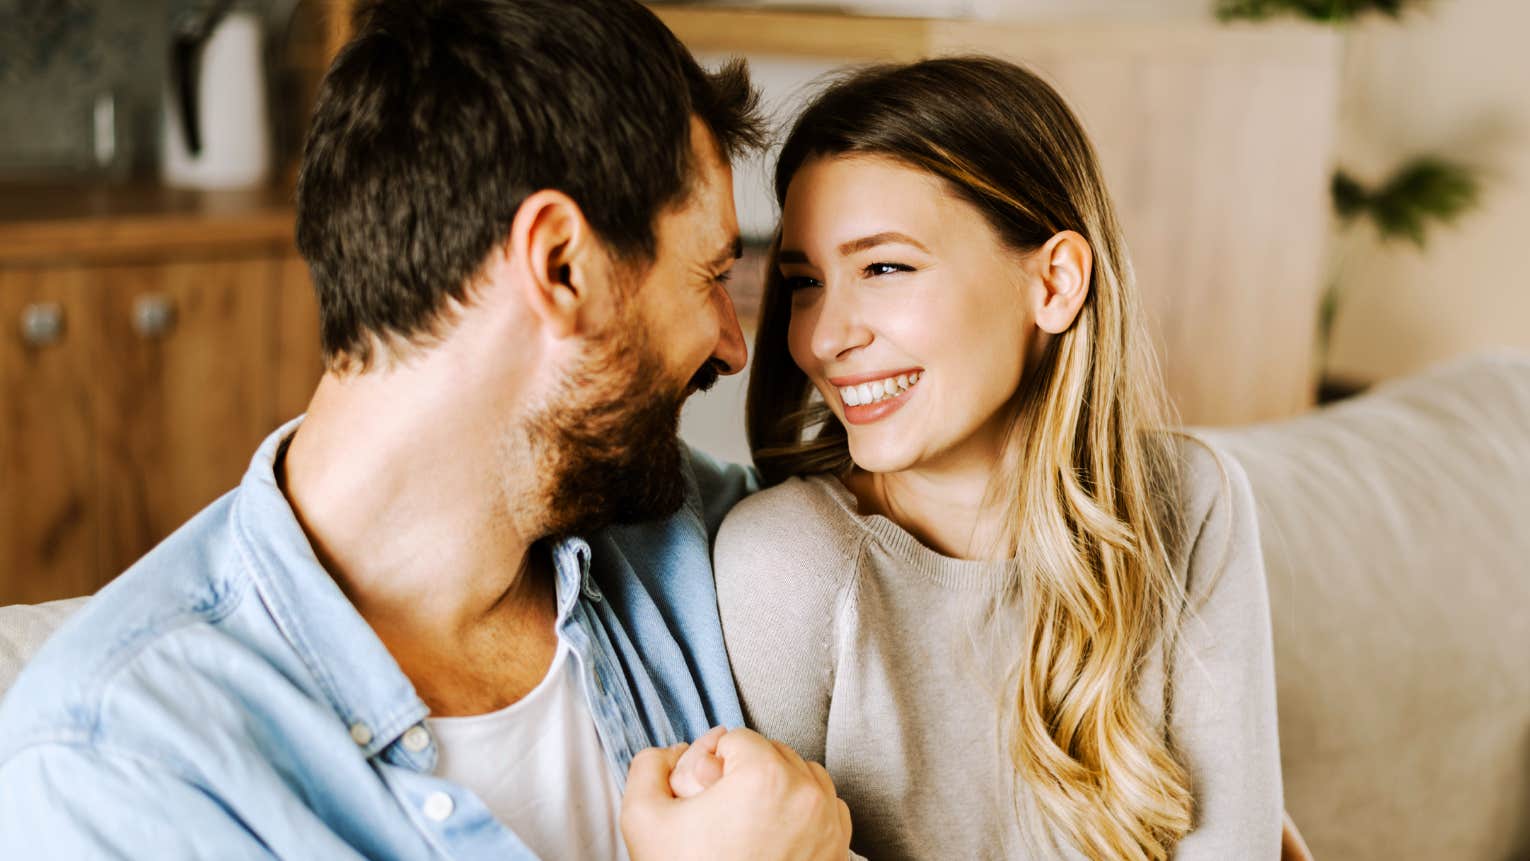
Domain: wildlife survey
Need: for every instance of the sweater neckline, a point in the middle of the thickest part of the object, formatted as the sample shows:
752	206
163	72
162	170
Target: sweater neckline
981	575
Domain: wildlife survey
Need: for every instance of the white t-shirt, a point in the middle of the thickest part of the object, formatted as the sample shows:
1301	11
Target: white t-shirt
539	767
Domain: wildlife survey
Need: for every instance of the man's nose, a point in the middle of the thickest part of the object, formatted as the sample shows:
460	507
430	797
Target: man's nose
731	353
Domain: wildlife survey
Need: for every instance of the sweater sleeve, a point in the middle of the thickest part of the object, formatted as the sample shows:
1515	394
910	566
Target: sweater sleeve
1223	720
781	578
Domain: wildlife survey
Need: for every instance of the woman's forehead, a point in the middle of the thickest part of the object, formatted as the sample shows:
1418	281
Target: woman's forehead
834	200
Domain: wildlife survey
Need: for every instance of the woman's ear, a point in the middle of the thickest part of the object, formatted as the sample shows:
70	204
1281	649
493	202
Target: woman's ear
557	259
1065	263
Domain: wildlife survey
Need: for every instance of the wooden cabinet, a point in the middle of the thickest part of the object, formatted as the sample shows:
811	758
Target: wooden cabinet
49	510
132	394
181	411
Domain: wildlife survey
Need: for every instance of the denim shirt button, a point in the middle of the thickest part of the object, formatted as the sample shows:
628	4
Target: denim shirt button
416	738
438	806
361	734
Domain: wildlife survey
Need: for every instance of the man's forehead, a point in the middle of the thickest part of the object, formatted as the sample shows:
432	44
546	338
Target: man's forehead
715	244
716	228
704	226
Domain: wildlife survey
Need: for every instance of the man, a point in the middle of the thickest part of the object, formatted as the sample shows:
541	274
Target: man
407	633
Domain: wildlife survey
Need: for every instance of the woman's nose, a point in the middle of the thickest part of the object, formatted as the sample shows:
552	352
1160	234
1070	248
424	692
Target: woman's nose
840	326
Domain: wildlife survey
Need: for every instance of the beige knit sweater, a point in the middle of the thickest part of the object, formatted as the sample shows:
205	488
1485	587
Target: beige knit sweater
878	657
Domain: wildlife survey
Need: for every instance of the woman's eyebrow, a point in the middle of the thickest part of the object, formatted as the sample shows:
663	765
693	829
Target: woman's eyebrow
792	255
883	238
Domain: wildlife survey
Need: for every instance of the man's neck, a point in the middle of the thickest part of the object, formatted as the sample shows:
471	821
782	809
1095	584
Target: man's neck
404	494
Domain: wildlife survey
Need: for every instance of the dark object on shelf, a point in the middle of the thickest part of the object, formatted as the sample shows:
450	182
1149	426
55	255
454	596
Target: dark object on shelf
1333	388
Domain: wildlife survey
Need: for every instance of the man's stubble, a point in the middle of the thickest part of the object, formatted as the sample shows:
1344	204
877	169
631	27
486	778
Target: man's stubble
607	444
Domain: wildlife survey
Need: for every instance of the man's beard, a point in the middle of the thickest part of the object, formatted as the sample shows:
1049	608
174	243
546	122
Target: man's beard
608	443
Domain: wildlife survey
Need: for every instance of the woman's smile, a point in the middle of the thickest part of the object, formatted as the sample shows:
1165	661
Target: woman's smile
866	398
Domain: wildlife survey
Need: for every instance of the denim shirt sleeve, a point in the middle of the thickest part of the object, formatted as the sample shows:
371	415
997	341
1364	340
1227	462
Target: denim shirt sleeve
62	800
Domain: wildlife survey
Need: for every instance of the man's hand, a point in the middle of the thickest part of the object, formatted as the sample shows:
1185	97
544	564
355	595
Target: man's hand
768	804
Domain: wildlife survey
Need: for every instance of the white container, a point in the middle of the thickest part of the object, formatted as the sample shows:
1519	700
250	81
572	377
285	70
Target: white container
230	94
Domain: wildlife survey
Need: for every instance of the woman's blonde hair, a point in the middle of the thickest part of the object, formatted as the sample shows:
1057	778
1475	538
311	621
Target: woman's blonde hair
1089	476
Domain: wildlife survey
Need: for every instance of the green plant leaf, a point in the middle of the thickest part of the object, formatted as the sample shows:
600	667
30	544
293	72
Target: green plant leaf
1424	191
1349	197
1328	11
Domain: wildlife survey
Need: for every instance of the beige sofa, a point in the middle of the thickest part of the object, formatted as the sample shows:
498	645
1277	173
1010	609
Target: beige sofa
1396	534
1396	531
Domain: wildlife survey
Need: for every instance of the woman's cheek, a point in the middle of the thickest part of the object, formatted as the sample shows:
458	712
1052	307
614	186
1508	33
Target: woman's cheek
799	339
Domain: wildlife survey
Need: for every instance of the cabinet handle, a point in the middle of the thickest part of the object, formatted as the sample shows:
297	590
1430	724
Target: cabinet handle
153	315
42	324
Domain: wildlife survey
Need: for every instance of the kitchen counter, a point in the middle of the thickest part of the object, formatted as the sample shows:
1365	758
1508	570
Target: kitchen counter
61	222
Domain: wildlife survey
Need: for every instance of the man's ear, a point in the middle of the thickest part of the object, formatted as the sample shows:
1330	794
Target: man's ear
557	259
1065	263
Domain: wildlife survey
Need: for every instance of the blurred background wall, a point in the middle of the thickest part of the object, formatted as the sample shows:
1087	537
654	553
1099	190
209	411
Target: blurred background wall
1139	10
57	57
60	60
1454	78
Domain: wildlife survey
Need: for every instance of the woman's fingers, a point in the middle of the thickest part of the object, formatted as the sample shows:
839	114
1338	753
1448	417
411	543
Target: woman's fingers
648	776
821	775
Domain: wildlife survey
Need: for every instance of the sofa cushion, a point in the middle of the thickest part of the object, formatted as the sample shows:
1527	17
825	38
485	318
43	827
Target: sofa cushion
24	627
1396	534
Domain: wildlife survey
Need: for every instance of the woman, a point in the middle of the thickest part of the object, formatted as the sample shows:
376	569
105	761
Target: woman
1011	613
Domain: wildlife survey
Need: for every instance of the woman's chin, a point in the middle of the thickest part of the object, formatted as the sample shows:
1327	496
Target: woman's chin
876	459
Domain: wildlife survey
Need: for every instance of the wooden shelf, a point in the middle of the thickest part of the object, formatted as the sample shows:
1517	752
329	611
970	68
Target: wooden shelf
813	34
855	37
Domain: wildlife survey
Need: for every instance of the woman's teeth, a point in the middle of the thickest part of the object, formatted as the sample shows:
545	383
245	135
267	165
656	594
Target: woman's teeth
879	390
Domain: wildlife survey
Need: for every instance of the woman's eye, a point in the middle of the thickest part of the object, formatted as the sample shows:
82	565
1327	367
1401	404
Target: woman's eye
793	283
723	278
876	269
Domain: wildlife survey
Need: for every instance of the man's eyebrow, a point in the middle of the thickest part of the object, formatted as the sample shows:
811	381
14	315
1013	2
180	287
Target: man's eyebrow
734	251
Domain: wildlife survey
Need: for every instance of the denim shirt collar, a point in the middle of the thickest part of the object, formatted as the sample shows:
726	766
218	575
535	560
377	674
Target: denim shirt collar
359	677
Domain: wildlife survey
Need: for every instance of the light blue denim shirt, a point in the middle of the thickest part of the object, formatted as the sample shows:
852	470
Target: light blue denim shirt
222	698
